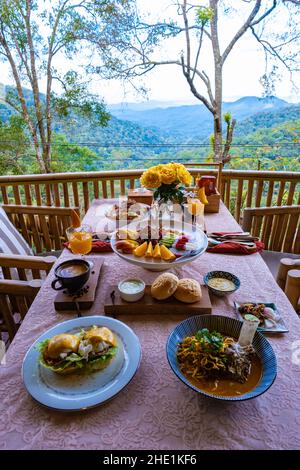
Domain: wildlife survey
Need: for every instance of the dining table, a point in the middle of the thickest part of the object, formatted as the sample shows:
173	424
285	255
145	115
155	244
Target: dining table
156	410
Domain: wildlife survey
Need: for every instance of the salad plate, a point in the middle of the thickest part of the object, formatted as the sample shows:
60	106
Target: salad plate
77	391
267	312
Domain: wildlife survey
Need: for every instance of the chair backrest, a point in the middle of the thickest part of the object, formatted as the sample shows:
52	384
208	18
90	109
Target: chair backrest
277	227
25	268
42	227
15	300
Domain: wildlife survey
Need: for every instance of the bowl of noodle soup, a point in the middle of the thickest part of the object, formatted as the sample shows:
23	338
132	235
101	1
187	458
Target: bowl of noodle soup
203	352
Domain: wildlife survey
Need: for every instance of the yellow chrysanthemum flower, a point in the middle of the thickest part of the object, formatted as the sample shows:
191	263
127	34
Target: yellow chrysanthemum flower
150	179
168	174
184	176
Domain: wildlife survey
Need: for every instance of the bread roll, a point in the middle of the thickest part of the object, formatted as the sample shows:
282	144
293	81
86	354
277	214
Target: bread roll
188	291
164	286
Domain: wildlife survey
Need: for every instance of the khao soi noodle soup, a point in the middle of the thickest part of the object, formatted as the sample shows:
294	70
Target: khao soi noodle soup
217	364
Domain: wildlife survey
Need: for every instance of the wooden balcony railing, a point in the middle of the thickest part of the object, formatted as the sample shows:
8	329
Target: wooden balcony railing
239	189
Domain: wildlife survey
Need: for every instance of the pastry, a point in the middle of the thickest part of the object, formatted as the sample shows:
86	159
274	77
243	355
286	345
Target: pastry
164	286
188	291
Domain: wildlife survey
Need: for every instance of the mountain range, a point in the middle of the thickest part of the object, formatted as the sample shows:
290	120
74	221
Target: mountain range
137	131
194	122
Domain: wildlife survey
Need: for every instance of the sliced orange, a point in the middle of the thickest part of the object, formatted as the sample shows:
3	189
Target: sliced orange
166	254
75	219
141	250
156	252
149	252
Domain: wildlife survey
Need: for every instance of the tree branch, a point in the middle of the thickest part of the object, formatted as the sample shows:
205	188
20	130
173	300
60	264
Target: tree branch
229	136
193	88
35	87
270	49
242	30
187	36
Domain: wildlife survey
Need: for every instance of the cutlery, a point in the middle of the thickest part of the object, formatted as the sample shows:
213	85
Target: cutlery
234	238
79	314
218	242
113	301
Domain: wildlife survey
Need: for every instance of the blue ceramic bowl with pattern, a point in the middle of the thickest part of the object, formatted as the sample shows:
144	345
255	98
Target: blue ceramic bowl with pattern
223	275
229	327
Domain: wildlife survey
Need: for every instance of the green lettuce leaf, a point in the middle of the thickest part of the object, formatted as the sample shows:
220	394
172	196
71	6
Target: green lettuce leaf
111	352
42	345
73	358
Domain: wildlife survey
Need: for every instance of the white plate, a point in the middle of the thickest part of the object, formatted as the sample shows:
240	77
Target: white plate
280	326
76	391
161	265
142	211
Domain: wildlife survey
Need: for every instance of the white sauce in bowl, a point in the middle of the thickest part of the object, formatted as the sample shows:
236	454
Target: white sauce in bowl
221	283
132	286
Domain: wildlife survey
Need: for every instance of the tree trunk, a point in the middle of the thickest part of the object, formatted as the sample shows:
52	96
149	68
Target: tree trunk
218	114
218	82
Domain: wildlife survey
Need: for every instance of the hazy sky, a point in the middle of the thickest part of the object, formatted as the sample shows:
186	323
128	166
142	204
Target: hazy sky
241	72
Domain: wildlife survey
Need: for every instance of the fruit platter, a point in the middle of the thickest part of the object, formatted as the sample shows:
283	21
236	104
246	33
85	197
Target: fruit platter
158	249
127	209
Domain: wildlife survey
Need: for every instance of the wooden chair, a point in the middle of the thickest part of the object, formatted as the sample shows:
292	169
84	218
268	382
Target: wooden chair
16	295
15	300
279	229
25	268
43	227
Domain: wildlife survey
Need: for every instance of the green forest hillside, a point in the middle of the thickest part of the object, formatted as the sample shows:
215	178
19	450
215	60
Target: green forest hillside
267	120
266	139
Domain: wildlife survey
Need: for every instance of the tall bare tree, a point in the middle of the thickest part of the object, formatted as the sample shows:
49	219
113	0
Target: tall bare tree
199	25
35	35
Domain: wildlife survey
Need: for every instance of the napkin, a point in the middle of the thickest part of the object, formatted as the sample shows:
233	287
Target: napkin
98	246
236	248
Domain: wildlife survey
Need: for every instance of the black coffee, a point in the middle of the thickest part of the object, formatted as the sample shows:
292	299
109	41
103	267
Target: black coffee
72	270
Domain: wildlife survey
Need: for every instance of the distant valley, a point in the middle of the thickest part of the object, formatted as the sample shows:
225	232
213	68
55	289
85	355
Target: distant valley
141	134
193	123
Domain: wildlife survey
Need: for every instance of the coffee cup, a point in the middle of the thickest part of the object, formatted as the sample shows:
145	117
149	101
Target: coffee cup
71	275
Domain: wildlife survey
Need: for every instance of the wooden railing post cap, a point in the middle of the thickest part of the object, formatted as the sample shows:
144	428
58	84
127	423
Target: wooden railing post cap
35	283
290	262
294	277
50	259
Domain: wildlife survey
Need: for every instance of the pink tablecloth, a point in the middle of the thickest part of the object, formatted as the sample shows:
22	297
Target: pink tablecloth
157	411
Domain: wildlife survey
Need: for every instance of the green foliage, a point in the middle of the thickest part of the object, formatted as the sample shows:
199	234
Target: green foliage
33	34
13	145
227	117
76	98
204	15
169	192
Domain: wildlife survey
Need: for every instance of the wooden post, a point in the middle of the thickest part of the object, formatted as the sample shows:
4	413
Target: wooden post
286	264
292	288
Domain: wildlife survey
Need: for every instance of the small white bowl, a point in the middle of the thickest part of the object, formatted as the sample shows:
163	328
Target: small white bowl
132	296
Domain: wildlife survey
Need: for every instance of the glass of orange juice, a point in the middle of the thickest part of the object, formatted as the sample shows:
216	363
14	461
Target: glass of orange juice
195	208
80	239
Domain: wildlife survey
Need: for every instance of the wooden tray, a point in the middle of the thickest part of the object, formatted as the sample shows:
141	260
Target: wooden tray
213	205
148	305
65	301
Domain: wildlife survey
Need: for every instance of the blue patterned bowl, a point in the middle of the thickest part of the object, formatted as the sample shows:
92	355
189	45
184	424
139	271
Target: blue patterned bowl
231	327
224	275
